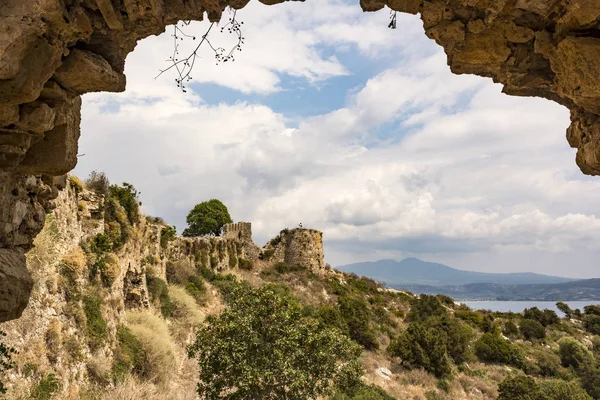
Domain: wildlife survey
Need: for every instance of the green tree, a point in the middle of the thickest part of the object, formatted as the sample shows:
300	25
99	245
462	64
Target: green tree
532	329
589	374
564	307
263	347
426	306
128	197
457	336
207	218
422	346
519	387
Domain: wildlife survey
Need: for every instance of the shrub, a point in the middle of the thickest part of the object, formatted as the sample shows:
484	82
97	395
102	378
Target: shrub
152	333
572	353
96	328
510	329
266	254
128	356
457	337
424	307
195	287
363	392
546	317
97	182
357	316
127	196
6	362
589	375
246	265
269	349
45	388
532	329
421	346
473	317
179	272
159	293
556	389
549	365
76	184
519	387
167	234
110	269
591	323
491	347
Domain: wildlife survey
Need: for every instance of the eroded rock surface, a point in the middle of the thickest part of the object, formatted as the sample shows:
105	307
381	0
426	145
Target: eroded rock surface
52	51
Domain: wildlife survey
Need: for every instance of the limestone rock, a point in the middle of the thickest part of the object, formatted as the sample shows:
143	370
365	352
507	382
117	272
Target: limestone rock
83	72
9	114
16	284
36	117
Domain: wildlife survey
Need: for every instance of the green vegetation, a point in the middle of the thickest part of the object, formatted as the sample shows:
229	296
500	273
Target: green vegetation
270	350
355	312
532	329
96	328
519	387
128	197
159	293
207	218
493	348
128	355
98	182
6	362
424	307
167	234
46	388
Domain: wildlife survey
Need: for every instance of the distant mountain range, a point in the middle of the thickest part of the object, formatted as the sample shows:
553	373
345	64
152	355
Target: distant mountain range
419	276
418	272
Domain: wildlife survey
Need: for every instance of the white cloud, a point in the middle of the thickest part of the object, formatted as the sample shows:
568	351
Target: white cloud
418	162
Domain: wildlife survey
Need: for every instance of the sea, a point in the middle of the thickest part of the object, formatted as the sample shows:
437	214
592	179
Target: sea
519	306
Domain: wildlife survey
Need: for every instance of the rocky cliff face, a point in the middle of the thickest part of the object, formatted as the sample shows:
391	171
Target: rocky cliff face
79	284
52	51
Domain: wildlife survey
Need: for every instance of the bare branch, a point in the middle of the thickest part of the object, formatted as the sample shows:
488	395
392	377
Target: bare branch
184	66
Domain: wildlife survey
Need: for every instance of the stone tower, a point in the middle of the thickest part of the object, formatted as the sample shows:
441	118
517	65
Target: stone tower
299	247
241	231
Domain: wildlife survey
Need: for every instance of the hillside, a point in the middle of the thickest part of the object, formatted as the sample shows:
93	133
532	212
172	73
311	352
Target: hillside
120	302
581	290
418	272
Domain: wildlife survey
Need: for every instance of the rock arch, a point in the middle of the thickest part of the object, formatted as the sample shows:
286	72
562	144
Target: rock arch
53	51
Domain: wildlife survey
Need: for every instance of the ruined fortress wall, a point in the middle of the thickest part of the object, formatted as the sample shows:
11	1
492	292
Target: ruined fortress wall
239	230
298	247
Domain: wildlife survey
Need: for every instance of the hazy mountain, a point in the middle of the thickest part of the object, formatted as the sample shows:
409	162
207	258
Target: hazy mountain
415	271
582	290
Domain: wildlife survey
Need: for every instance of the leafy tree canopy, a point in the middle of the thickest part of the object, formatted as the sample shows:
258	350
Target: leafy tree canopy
207	218
263	346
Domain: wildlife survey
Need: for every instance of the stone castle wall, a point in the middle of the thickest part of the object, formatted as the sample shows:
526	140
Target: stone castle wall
297	247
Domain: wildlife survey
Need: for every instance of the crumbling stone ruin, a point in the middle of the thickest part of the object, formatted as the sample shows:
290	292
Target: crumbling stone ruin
53	51
298	246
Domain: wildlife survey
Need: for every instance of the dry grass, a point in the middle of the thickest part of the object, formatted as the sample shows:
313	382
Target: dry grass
111	269
135	389
74	262
159	350
187	314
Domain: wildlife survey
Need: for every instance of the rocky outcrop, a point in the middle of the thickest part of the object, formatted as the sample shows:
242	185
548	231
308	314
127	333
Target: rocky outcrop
52	51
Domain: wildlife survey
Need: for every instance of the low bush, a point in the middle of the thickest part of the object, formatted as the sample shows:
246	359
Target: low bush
519	387
572	353
425	306
76	184
356	314
591	323
532	329
510	329
178	272
284	268
128	356
110	269
556	389
195	287
491	347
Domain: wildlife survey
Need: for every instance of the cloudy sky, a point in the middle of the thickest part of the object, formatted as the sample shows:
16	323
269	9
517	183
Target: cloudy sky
329	118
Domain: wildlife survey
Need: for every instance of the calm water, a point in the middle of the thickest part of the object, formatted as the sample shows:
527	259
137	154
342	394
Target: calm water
519	306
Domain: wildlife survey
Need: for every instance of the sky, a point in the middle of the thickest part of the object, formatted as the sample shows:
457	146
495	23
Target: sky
328	118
